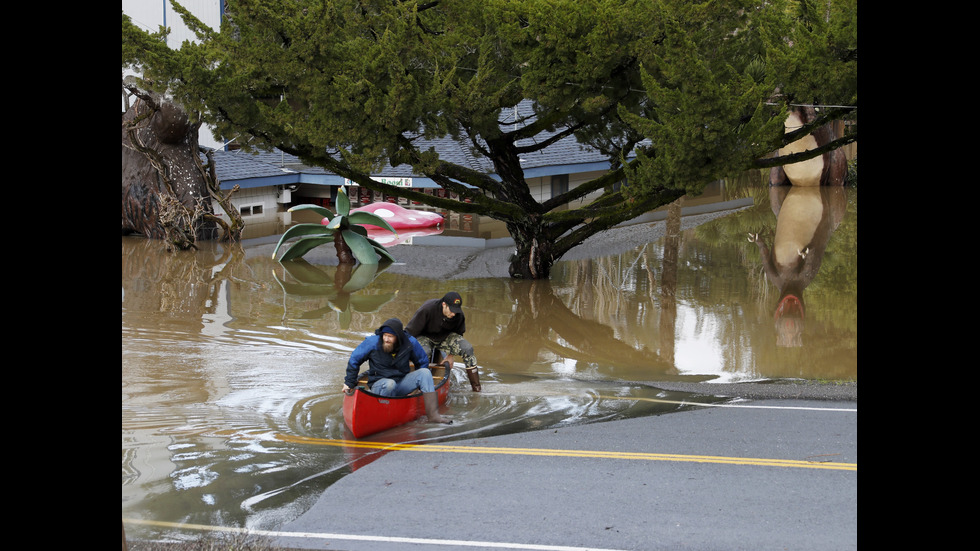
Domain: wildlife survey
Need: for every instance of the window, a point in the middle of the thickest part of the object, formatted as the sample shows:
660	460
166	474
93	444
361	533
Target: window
251	210
559	184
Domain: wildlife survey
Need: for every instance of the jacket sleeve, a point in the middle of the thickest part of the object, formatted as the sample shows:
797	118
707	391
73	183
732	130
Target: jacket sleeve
419	357
357	357
416	325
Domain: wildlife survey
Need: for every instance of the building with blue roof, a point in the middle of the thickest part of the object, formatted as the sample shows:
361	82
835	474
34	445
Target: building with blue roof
270	182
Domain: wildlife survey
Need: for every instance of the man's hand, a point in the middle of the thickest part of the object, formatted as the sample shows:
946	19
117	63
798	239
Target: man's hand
347	389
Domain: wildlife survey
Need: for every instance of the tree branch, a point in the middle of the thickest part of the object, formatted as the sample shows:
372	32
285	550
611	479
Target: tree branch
781	160
610	219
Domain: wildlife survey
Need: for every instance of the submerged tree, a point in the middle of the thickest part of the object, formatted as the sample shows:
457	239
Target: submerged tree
674	94
167	190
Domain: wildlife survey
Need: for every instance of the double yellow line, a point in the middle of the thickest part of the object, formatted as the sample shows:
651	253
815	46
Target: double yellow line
439	448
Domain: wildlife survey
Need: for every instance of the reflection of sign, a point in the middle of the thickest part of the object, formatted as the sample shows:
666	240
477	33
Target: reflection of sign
397	182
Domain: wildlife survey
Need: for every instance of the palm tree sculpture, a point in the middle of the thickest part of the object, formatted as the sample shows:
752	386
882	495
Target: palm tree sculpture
343	229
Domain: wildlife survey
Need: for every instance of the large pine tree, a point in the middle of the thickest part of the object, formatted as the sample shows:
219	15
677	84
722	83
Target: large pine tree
674	93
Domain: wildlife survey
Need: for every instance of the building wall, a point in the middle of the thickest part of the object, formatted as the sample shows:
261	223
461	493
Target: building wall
260	211
541	187
150	14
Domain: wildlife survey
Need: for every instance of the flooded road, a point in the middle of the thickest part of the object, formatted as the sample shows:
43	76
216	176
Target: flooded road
232	365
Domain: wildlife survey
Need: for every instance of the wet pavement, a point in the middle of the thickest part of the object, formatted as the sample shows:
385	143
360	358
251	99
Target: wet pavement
449	258
750	473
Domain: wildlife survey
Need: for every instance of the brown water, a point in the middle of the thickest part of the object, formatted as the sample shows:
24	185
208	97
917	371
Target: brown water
231	375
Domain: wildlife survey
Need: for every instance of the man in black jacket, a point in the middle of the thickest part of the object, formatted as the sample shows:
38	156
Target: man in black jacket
440	323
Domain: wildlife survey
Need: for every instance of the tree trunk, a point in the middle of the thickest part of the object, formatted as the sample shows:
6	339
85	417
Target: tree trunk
164	190
344	254
534	256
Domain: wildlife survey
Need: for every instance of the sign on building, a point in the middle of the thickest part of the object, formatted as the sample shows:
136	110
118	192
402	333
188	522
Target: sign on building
398	182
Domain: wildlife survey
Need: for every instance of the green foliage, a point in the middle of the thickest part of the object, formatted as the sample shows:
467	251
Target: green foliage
343	225
148	50
709	95
674	93
822	31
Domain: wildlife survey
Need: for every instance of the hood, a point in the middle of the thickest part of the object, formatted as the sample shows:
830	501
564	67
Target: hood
396	327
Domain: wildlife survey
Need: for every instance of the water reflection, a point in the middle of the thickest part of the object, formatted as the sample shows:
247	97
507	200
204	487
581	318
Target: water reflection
806	217
337	290
232	363
542	323
181	288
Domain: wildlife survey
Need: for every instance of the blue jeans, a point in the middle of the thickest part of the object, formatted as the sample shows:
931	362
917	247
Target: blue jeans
420	379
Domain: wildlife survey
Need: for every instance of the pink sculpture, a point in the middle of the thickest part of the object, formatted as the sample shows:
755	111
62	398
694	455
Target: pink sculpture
401	218
388	239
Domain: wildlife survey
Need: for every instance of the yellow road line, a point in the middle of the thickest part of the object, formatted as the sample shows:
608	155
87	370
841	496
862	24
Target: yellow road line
570	453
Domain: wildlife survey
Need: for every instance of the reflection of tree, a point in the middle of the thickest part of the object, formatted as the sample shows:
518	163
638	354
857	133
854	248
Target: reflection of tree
621	291
806	217
185	283
307	280
730	286
542	322
668	281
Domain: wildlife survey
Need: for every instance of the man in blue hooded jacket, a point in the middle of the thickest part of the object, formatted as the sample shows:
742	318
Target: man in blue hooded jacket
388	353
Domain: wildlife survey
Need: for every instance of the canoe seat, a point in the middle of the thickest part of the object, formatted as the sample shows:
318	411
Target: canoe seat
438	371
438	374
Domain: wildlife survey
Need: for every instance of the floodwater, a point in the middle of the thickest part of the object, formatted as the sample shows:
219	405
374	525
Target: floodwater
231	372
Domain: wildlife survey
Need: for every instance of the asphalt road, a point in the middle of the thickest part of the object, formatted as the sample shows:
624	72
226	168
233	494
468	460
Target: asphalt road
760	472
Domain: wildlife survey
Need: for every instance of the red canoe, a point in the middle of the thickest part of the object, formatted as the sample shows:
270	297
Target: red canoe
367	413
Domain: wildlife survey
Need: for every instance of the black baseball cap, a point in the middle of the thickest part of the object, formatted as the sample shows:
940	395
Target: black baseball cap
454	301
